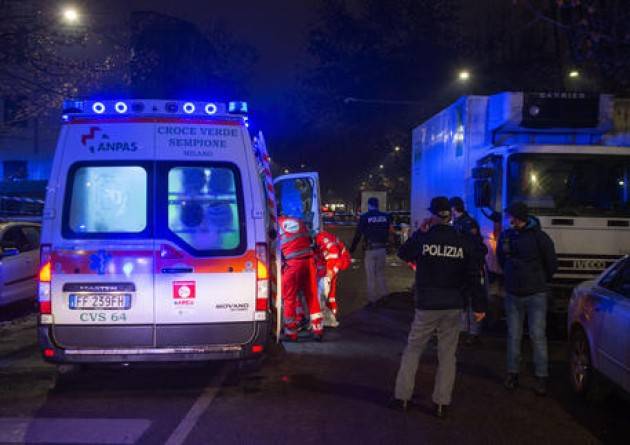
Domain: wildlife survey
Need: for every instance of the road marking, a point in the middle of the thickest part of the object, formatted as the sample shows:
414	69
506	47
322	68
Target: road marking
68	431
200	406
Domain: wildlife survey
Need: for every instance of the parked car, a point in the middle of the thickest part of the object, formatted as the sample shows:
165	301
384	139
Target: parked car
19	261
599	330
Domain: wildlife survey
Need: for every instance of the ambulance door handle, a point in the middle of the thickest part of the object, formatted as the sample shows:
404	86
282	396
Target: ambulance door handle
177	270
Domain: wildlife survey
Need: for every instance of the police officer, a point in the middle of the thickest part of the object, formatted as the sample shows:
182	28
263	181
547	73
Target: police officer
446	270
464	223
374	226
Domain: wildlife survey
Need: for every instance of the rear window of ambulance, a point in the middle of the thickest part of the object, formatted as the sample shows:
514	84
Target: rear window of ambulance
107	200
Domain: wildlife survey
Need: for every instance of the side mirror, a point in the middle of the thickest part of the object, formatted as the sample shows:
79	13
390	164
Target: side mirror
483	193
482	172
10	251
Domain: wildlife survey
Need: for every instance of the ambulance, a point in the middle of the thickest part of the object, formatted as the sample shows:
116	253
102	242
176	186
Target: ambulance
159	234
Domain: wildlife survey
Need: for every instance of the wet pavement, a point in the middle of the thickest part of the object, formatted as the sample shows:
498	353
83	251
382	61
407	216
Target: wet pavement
309	392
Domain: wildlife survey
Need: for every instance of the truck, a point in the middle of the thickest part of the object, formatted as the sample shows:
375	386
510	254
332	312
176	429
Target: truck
565	154
367	194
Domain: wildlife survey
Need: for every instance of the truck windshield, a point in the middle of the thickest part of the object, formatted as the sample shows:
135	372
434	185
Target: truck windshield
572	185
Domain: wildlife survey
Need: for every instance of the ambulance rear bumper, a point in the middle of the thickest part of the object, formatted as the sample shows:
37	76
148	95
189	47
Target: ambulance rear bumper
179	352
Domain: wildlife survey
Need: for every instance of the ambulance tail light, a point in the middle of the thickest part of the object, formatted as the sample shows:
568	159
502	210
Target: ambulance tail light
262	280
45	277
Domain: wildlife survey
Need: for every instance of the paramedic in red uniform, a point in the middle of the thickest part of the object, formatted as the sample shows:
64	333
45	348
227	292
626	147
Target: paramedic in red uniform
335	258
298	274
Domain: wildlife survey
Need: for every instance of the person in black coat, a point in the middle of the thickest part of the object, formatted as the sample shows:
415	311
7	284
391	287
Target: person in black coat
464	223
528	259
446	272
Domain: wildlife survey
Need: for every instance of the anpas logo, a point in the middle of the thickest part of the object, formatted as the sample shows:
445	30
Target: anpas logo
290	226
97	141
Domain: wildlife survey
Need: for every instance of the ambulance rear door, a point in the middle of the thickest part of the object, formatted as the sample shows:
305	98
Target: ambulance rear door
300	190
100	243
205	234
296	191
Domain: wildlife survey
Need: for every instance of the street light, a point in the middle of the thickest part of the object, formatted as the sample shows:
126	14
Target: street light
396	148
381	166
70	15
464	75
574	74
286	171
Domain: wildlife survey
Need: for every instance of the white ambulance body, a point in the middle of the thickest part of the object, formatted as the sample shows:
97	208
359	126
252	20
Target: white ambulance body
156	237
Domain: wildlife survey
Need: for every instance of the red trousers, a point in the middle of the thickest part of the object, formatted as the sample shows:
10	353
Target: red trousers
300	274
332	295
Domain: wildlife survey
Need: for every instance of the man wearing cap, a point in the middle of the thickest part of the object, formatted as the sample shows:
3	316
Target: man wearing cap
465	223
446	271
374	226
528	259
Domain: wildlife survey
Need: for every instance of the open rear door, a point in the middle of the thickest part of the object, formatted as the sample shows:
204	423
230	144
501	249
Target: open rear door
302	190
299	190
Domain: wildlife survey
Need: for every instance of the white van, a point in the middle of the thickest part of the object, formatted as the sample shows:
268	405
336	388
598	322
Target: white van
156	235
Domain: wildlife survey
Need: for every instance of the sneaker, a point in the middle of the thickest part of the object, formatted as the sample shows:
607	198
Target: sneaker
332	324
440	410
511	381
541	386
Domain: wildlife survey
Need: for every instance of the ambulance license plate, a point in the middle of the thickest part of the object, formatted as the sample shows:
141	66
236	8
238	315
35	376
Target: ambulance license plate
100	301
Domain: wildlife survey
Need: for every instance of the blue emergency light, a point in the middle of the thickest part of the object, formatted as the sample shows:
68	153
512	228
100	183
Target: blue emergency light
237	107
138	107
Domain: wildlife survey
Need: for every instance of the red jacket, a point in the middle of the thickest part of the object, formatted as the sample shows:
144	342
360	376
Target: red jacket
333	251
295	238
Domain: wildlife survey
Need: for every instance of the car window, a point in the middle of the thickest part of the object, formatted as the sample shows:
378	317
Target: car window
204	207
107	199
618	278
622	283
14	238
32	235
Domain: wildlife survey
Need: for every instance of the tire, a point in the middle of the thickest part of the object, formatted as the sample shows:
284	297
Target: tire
581	373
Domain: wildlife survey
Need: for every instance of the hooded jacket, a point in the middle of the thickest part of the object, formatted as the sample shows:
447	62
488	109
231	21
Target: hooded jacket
528	259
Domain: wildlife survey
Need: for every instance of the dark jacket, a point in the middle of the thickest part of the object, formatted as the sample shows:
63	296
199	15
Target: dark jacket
447	271
374	227
468	225
528	259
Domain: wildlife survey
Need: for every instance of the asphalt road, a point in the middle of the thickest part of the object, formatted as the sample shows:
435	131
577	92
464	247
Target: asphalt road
320	393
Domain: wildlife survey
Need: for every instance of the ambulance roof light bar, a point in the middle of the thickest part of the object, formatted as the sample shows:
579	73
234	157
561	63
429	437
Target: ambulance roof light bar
151	108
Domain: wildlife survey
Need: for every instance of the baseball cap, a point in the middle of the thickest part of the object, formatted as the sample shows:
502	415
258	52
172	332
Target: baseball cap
440	206
518	210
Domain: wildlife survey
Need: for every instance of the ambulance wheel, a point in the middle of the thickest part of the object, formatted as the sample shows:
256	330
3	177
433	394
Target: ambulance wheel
69	369
251	365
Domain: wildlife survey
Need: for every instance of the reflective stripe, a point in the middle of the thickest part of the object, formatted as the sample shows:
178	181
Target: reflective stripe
332	256
298	253
287	239
329	245
332	300
316	316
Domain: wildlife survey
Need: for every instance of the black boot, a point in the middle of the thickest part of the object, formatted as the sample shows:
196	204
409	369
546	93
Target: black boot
398	405
511	381
541	386
440	410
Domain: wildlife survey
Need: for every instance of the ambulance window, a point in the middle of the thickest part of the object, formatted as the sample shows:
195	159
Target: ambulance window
204	207
108	199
